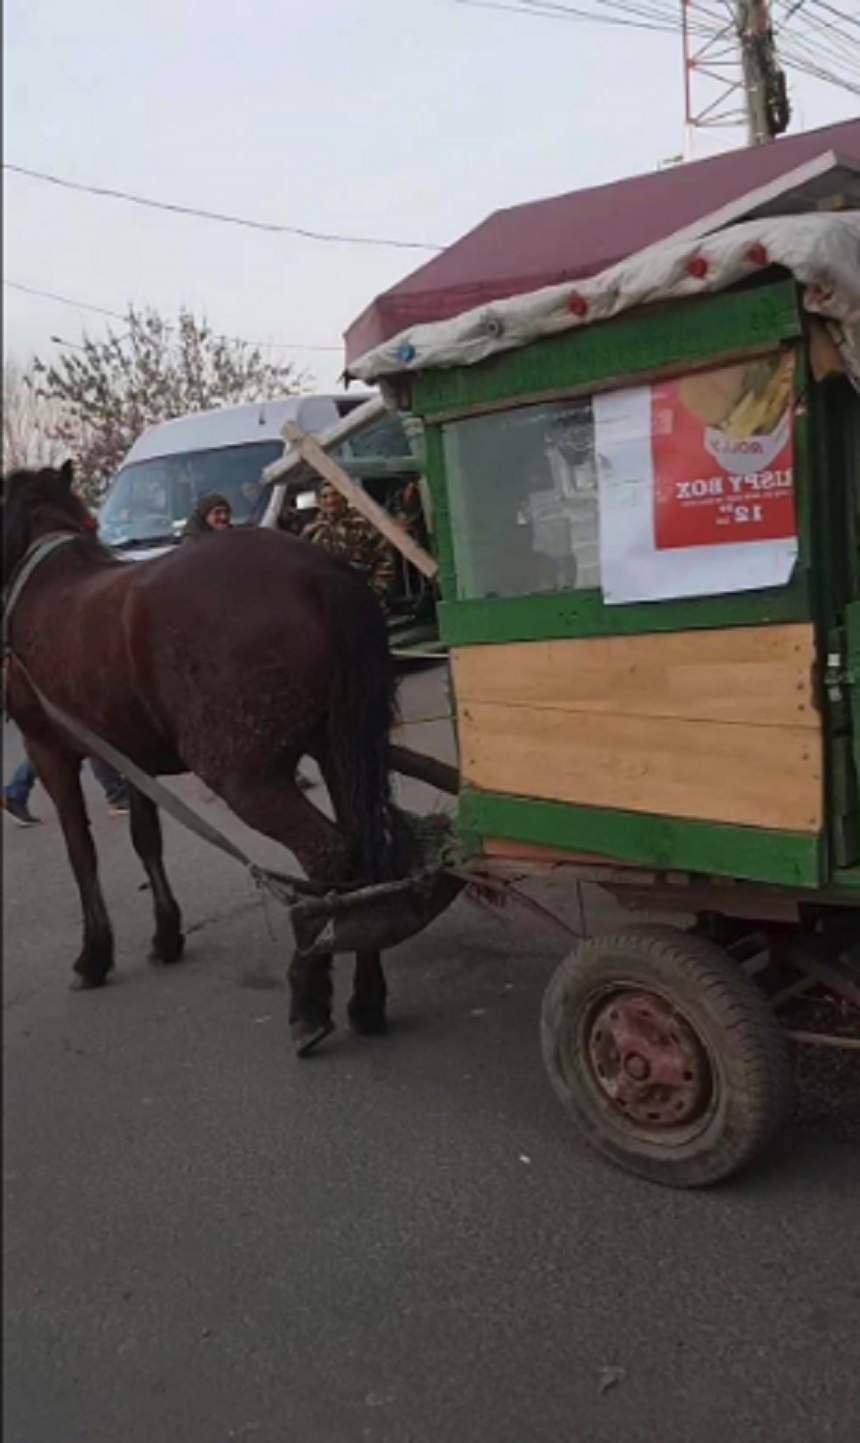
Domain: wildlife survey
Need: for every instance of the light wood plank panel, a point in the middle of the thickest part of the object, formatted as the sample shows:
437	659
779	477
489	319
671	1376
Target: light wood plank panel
761	676
710	771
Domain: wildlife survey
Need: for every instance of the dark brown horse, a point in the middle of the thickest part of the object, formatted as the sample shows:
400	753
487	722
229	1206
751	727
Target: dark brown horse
230	659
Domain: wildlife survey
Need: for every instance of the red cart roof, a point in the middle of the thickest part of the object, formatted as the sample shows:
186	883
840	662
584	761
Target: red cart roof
568	237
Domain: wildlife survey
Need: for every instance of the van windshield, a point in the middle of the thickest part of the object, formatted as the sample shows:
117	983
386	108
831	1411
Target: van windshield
150	501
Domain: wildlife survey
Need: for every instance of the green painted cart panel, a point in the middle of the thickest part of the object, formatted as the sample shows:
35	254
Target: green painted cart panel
583	613
668	843
644	342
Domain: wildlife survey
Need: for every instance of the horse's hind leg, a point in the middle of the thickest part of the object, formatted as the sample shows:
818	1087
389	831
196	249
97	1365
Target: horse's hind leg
278	809
60	774
168	942
366	1008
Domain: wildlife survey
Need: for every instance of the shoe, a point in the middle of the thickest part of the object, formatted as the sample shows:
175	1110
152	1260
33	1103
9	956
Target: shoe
19	812
118	809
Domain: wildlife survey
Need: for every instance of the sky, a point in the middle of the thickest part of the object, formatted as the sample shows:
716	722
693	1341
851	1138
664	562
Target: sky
407	119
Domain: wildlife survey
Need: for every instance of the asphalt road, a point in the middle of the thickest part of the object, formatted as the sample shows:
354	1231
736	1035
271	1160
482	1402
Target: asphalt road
399	1241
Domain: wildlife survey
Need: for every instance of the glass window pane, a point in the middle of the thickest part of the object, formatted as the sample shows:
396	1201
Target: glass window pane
387	438
152	500
522	489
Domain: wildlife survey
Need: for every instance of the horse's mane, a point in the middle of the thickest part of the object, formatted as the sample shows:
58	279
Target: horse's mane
38	501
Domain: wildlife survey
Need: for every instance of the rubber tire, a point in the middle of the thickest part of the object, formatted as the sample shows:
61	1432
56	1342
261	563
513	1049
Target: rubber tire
747	1048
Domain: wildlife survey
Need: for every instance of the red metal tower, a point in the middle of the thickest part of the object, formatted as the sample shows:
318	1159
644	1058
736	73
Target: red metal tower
714	92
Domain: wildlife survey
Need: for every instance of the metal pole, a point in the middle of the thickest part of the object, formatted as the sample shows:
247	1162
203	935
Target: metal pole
688	99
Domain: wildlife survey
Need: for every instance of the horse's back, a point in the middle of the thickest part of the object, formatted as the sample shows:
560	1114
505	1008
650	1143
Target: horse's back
246	633
254	588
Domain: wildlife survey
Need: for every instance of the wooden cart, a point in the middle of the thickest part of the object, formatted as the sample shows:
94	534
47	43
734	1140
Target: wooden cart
648	539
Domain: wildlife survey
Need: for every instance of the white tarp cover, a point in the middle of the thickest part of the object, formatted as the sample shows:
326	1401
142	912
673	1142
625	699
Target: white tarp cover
822	251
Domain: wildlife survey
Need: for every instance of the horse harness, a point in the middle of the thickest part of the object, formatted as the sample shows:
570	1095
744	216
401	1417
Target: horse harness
33	557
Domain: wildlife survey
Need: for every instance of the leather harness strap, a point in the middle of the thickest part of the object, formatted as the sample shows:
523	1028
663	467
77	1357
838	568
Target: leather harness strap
36	553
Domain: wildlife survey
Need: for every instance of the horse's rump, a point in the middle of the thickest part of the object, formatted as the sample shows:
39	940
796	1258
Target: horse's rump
267	643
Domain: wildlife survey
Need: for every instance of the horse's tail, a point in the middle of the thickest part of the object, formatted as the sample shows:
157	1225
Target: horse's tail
360	716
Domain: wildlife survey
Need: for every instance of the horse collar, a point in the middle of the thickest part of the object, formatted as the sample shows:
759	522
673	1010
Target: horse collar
36	553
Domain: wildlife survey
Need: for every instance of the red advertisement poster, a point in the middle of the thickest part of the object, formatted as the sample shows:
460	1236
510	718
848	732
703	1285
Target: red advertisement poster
723	455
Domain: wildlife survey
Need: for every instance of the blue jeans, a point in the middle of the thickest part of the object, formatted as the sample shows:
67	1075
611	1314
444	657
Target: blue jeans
21	785
24	779
112	784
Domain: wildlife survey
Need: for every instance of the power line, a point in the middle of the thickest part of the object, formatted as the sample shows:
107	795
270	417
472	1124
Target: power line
262	225
657	13
120	316
805	52
829	45
823	5
666	13
819	31
657	16
558	12
796	53
63	300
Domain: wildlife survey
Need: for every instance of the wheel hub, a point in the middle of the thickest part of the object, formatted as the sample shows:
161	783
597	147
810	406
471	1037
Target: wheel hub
647	1060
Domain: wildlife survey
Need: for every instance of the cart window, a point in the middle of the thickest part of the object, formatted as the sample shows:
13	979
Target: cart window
677	487
387	440
523	497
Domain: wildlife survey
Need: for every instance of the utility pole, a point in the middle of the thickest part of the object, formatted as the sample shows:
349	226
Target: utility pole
731	73
752	22
767	105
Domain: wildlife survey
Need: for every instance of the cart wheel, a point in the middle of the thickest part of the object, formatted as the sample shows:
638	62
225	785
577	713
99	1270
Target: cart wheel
668	1057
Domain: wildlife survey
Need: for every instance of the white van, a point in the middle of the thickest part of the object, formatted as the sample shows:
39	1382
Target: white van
172	464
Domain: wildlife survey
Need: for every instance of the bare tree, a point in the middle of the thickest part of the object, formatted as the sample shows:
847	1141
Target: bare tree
107	392
28	421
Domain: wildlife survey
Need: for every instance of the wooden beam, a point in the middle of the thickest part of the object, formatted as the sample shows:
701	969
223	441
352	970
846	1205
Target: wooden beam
358	498
370	411
425	769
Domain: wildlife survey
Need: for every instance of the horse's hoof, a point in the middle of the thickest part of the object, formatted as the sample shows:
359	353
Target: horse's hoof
367	1024
91	971
167	950
80	983
307	1035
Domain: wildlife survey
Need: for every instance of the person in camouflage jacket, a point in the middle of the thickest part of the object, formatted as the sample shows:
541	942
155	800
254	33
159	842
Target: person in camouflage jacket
347	534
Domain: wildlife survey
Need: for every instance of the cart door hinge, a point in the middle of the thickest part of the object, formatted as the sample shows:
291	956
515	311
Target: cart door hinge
839	673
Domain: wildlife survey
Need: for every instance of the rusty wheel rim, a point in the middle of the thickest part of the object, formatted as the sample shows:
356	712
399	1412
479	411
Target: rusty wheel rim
646	1062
